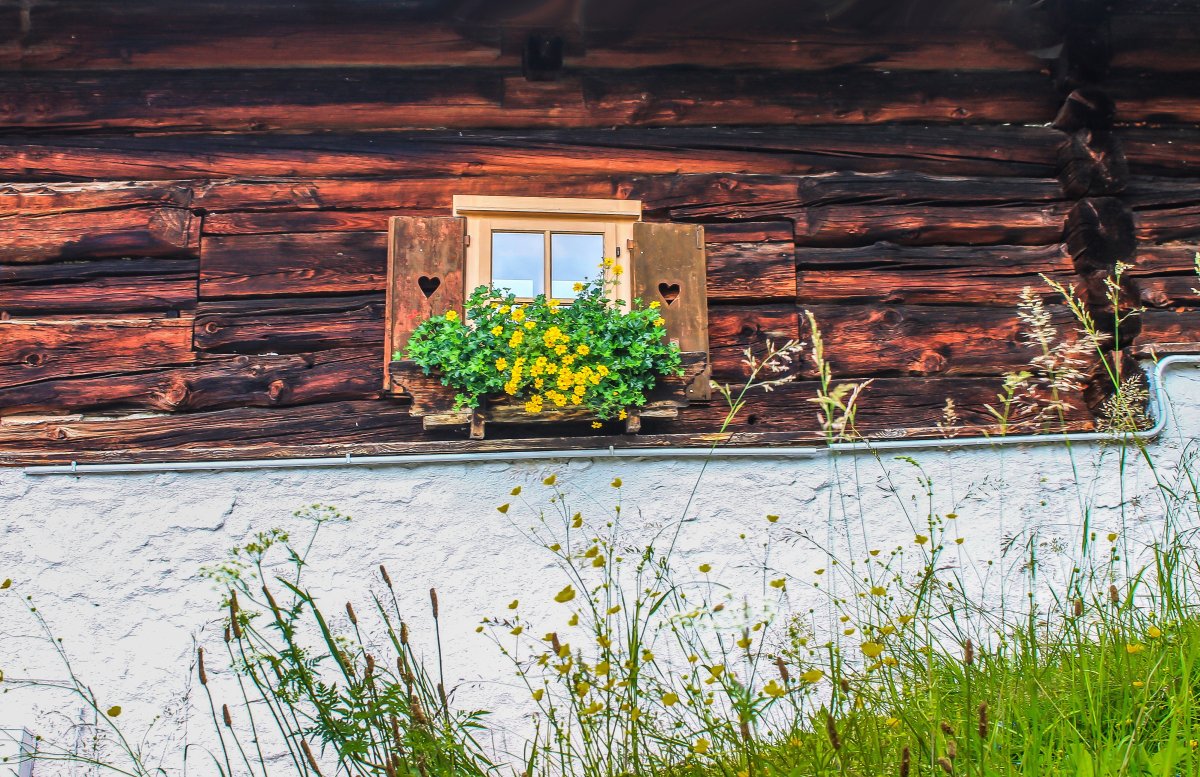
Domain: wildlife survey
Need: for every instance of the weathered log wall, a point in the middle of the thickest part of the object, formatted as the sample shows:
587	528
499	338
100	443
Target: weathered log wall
193	261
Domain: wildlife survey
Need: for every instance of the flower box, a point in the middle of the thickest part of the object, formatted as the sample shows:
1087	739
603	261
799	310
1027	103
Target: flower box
433	402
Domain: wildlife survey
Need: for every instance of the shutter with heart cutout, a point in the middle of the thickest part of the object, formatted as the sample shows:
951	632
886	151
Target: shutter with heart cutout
425	275
667	264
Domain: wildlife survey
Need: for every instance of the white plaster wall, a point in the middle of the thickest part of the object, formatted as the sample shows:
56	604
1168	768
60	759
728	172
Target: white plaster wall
112	560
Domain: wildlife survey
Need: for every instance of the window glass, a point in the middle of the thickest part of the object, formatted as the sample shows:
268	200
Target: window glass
574	258
518	262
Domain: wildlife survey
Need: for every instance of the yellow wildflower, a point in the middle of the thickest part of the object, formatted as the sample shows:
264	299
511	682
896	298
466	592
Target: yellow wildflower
654	305
516	632
596	424
774	690
518	315
530	324
622	415
451	315
705	568
1154	632
921	539
779	583
892	722
602	668
538	694
872	649
607	263
812	675
744	643
505	309
670	699
878	590
618	269
659	321
700	746
568	359
560	349
1134	648
565	595
577	287
497	330
582	349
502	364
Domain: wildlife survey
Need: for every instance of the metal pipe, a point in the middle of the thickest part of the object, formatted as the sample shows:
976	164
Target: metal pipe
1157	411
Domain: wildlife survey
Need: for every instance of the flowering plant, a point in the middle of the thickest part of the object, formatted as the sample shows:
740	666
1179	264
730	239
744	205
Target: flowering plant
589	354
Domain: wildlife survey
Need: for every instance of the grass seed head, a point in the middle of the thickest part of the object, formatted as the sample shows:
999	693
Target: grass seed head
905	762
983	720
831	729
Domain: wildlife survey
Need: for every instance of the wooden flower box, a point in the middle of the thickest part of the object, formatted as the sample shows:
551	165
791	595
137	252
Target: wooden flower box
433	403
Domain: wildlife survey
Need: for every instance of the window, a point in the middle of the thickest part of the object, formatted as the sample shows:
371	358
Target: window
545	245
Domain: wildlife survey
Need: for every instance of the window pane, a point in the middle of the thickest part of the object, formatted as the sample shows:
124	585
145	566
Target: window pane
573	259
518	262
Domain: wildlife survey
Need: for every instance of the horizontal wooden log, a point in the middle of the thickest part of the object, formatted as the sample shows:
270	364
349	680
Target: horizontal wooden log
69	39
301	99
1169	291
888	407
1170	258
99	286
1149	98
928	225
889	340
40	199
331	422
751	272
39	350
734	329
937	149
1168	151
935	275
124	232
290	325
277	265
749	232
1169	326
213	383
1168	226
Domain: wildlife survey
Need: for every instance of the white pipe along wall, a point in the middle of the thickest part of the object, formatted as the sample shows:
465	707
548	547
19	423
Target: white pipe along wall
111	555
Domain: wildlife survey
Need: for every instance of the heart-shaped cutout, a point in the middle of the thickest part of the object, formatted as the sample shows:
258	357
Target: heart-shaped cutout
669	292
429	285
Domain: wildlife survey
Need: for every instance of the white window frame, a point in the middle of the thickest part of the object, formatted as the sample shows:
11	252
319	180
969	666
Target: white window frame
486	214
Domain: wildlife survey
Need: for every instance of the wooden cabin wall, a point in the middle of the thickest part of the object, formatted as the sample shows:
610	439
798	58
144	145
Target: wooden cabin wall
194	215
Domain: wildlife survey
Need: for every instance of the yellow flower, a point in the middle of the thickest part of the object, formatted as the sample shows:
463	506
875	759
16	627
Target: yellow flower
451	315
654	305
568	360
622	415
706	568
577	287
779	583
518	315
115	710
670	699
602	668
504	309
577	520
513	604
1112	536
618	269
560	349
744	643
878	590
616	608
659	321
872	649
774	690
582	688
700	746
502	364
1154	632
550	480
616	483
582	349
1134	648
716	670
921	539
516	632
530	324
565	595
607	263
538	694
503	508
812	675
603	370
892	722
497	330
517	338
772	519
1138	683
596	424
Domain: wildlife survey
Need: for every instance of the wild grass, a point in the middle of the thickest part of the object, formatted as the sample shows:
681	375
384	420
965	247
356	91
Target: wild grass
916	659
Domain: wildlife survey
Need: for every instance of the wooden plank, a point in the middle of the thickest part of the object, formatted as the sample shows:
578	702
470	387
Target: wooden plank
747	232
892	340
36	350
751	272
99	286
425	265
933	275
299	99
967	150
214	383
124	232
1173	326
267	429
667	265
278	265
1168	151
1147	97
928	225
289	325
297	222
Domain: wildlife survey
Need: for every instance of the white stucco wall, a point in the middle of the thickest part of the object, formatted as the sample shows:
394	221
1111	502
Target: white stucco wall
112	560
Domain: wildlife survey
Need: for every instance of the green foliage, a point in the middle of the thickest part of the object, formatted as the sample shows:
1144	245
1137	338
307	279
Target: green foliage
589	354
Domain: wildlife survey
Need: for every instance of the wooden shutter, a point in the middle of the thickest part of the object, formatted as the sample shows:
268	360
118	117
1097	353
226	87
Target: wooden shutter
425	275
667	264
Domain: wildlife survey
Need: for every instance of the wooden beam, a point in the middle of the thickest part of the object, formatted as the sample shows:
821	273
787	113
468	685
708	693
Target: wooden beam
289	325
98	286
287	264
